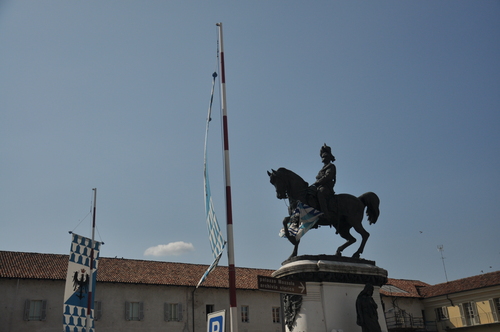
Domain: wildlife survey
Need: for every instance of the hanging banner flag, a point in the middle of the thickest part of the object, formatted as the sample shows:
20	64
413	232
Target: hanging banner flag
215	237
210	268
77	292
302	220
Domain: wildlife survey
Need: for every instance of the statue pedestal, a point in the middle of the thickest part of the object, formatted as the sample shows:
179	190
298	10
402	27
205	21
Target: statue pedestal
333	285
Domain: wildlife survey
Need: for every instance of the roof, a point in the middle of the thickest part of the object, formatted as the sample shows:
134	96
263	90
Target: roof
462	285
419	289
25	265
28	265
402	288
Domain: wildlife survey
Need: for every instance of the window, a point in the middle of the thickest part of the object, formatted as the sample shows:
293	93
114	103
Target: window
495	308
497	304
209	308
469	314
35	310
400	315
441	314
134	311
172	312
97	310
276	315
244	313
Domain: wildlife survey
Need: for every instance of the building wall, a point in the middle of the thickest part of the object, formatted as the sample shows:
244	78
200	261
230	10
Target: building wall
410	305
454	317
113	297
485	310
404	312
484	316
113	311
14	294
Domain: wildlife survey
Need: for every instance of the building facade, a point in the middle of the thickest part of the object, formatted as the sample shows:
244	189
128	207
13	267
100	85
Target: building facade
131	295
468	304
138	295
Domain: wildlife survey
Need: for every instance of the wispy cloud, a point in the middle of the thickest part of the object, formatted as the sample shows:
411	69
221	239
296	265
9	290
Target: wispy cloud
171	249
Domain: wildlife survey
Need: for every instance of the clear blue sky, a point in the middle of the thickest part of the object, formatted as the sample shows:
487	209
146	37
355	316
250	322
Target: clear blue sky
114	95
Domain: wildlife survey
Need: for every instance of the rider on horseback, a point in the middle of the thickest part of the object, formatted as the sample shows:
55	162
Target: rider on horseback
325	180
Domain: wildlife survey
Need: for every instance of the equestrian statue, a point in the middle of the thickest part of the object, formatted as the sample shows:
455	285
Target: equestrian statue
341	211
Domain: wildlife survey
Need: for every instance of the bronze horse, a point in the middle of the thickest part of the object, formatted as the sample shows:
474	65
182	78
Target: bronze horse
349	208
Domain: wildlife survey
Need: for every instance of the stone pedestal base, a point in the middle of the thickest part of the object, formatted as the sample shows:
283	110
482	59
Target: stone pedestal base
333	285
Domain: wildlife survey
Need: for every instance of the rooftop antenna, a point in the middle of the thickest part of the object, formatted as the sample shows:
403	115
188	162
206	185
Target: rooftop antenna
440	248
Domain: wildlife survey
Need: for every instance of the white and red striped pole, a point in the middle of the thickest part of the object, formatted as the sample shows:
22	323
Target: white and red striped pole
233	308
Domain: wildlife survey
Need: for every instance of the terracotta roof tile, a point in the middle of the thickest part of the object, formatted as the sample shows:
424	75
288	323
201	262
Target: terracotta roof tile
29	265
462	285
411	288
54	266
415	288
26	265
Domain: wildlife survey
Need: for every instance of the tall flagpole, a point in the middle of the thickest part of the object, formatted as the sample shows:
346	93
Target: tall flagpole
91	274
233	309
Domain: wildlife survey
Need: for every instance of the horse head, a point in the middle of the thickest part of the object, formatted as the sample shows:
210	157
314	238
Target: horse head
279	182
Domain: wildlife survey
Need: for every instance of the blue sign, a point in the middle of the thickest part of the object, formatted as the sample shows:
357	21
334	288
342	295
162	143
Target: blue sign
215	321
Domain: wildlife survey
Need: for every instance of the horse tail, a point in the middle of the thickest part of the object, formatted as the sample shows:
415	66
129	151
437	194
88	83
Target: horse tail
372	202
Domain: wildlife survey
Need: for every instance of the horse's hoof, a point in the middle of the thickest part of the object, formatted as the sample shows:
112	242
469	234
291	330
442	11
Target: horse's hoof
338	254
356	255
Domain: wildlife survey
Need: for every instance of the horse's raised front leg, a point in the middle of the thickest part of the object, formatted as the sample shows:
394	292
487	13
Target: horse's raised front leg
295	250
290	237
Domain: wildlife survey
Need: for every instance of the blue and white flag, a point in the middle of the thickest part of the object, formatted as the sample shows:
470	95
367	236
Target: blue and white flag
215	237
77	292
302	220
217	242
210	268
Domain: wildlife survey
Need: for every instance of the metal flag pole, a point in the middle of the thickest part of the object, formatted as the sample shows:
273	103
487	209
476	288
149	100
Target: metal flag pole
91	274
233	309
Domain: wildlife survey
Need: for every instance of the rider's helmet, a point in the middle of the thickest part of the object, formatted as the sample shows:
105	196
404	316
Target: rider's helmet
325	149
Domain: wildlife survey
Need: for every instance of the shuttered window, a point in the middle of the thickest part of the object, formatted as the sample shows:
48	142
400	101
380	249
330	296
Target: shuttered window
35	310
495	309
441	314
97	310
172	312
134	311
469	314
